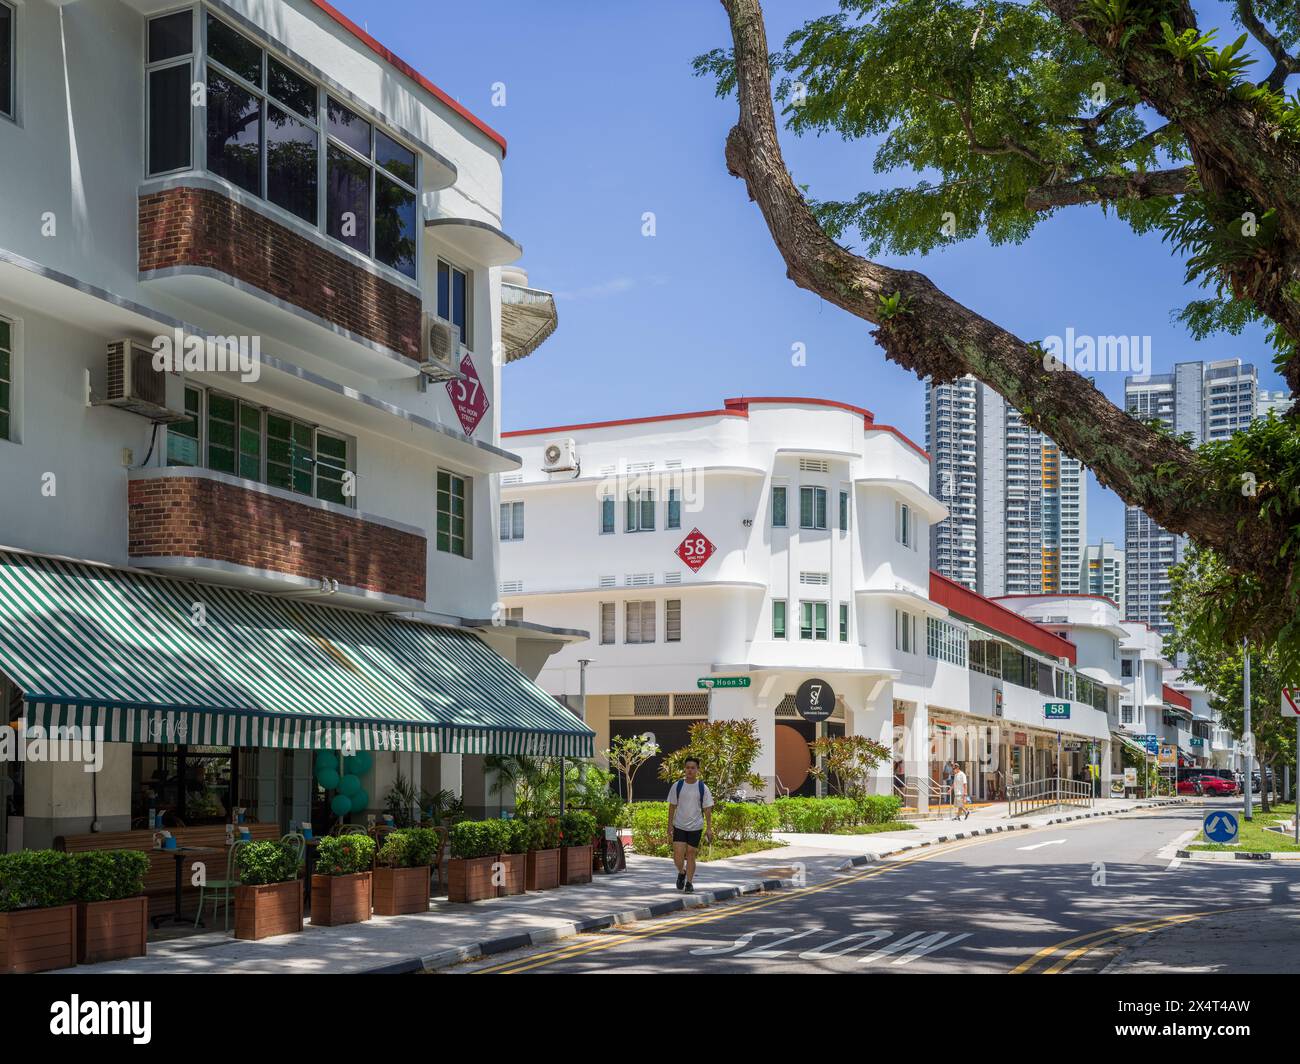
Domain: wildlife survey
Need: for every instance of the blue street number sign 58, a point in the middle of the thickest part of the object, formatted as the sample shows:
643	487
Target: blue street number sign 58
1220	827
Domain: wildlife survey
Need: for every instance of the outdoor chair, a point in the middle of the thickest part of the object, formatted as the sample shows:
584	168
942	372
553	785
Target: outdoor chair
221	890
299	844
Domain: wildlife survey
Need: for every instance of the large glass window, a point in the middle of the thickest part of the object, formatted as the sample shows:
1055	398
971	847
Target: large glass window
453	299
640	511
452	514
673	519
233	436
812	507
6	378
812	620
170	80
512	520
639	622
6	60
187	785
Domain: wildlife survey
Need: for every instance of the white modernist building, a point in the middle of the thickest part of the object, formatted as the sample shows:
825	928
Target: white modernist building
1103	572
768	542
287	534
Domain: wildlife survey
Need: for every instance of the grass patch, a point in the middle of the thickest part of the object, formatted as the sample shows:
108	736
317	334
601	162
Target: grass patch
871	829
1252	836
719	851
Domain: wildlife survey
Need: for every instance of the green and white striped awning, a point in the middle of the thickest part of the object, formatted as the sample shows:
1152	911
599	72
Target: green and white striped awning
157	659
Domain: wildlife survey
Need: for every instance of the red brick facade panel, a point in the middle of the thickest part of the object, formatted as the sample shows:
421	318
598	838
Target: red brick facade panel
194	517
200	227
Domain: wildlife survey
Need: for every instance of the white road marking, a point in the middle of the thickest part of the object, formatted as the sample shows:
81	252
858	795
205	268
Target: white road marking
1040	845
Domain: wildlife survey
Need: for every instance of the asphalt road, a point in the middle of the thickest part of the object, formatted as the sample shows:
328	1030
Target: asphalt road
1069	898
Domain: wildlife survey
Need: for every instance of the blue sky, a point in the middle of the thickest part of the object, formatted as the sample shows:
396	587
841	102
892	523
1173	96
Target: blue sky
605	122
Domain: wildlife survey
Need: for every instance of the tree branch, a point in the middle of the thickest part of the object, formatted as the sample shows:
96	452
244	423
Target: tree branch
1284	63
1107	188
935	336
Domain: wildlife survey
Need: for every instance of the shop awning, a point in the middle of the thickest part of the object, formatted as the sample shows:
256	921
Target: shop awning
1137	747
155	659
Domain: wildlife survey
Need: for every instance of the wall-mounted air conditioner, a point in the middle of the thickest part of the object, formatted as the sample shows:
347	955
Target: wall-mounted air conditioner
132	383
439	348
560	456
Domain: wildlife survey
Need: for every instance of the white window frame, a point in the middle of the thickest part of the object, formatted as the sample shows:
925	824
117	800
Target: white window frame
785	505
512	521
812	604
467	335
642	503
674	499
607	500
904	525
640	614
607	611
904	632
672	620
785	618
825	507
194	60
467	539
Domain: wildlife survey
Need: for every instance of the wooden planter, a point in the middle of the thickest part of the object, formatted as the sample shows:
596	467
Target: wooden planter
271	909
542	870
401	891
112	930
575	864
36	940
470	878
515	873
337	900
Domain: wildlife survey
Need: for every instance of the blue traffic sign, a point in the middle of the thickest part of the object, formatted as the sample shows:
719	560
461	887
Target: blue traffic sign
1220	827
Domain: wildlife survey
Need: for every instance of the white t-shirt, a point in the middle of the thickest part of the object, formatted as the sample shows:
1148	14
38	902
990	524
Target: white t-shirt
689	815
959	783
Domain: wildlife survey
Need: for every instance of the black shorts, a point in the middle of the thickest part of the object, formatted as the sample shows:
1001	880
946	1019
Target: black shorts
691	838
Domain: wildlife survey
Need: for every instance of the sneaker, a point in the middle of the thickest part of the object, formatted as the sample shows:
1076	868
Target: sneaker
681	880
690	887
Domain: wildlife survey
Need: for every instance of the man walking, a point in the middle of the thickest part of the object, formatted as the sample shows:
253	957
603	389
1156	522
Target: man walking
690	804
960	787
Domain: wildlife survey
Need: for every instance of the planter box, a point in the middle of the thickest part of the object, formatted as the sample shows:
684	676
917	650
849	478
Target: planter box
272	909
112	930
401	891
36	940
470	878
337	900
515	876
575	864
542	870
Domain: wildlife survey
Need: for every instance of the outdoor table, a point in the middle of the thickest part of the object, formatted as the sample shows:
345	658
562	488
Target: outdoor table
180	853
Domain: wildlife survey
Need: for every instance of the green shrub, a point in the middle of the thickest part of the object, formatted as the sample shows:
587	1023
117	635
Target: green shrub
544	833
421	845
480	838
577	828
823	815
268	861
109	875
519	836
36	879
344	855
877	808
744	821
649	823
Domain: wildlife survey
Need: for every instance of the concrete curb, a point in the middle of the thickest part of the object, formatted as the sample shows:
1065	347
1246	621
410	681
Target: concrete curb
490	947
1237	855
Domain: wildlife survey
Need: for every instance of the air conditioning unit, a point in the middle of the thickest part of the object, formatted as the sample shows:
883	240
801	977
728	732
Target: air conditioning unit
560	456
439	348
134	384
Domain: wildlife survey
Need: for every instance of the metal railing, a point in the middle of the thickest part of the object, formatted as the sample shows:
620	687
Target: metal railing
910	789
1048	793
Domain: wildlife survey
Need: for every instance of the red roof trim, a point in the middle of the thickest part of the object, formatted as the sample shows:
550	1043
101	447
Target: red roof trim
410	72
624	421
744	401
989	614
1175	698
890	428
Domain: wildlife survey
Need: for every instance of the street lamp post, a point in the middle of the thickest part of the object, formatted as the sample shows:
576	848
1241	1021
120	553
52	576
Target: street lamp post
1245	731
582	713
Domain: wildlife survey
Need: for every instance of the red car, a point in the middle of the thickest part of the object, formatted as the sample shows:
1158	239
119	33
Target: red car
1214	785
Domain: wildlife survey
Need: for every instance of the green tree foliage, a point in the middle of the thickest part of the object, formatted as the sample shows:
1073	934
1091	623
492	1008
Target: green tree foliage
845	762
726	749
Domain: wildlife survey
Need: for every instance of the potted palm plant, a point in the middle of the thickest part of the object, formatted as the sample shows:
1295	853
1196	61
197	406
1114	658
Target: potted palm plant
112	910
476	846
340	886
576	829
268	900
542	868
401	876
38	920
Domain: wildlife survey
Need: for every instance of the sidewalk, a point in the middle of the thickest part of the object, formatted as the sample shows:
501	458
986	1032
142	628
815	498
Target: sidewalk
448	934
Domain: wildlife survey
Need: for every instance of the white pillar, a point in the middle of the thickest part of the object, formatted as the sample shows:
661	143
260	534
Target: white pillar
916	721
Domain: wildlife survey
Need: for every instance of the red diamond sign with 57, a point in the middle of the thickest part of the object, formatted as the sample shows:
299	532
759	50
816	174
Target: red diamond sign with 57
695	550
468	396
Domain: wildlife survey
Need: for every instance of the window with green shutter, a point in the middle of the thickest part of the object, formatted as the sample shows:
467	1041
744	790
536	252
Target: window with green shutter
778	619
452	522
183	436
6	378
778	507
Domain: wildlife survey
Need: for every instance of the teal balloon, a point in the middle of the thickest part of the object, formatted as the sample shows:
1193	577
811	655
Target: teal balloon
349	785
326	759
328	778
359	763
359	801
341	805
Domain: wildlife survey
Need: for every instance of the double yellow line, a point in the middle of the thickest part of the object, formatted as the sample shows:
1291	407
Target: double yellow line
1085	944
709	915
